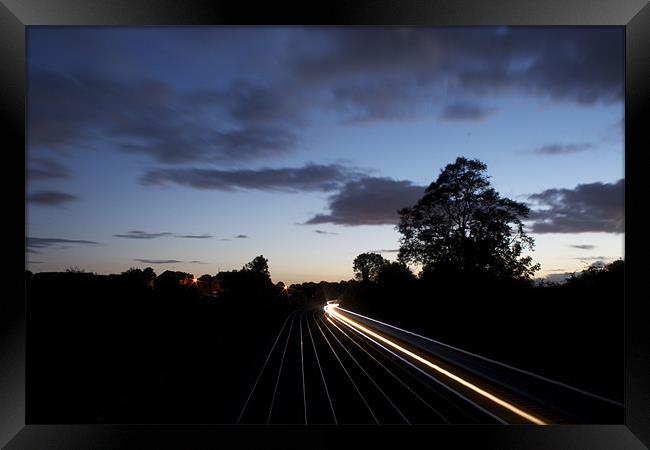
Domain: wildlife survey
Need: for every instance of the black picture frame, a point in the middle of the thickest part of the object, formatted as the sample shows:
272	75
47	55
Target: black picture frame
16	15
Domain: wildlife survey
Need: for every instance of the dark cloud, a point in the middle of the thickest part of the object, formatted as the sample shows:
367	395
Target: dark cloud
562	149
46	169
583	246
324	232
593	258
465	111
157	261
375	101
583	65
396	73
394	250
194	236
369	201
241	236
311	177
360	73
147	117
594	207
142	235
254	142
256	104
197	262
239	145
51	198
33	243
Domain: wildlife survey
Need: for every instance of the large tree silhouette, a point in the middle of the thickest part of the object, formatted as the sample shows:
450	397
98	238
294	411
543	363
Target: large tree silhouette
462	225
367	265
259	264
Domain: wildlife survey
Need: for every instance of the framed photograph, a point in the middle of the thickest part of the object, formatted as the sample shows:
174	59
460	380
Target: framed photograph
289	226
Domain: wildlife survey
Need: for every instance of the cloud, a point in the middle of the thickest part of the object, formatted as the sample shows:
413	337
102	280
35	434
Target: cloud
46	169
142	235
136	234
586	259
394	250
51	198
571	64
583	246
255	142
260	104
241	236
376	100
197	262
600	263
563	149
33	243
369	201
594	207
464	111
310	177
157	261
324	232
145	116
556	277
289	76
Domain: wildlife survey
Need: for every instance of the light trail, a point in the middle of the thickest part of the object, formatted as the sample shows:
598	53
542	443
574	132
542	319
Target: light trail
330	309
493	361
311	337
263	367
431	377
377	345
367	374
348	374
392	374
302	367
275	390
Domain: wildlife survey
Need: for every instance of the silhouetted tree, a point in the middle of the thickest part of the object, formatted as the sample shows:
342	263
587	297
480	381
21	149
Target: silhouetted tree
599	275
149	276
462	225
394	274
366	266
139	277
133	276
259	264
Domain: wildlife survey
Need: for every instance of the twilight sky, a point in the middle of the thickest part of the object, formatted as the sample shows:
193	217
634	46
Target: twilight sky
198	148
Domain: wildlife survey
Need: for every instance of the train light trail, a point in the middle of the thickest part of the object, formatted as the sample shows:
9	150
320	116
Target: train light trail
330	309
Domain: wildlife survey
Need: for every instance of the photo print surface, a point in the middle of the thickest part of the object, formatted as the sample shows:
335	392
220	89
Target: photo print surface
325	225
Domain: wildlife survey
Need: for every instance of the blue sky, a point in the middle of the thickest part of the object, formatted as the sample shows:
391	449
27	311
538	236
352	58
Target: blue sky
217	144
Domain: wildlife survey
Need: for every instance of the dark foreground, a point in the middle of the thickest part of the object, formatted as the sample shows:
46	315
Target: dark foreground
113	353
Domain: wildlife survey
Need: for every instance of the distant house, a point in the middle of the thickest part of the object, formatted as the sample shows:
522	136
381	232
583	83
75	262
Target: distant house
209	286
171	278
